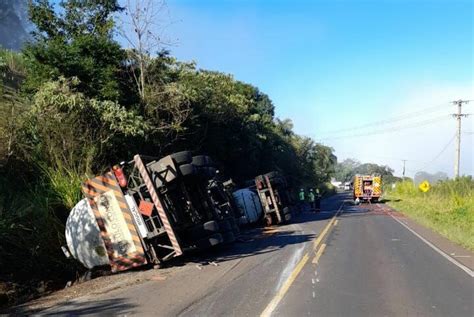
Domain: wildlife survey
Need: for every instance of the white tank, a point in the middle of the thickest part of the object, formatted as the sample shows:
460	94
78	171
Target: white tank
249	205
83	236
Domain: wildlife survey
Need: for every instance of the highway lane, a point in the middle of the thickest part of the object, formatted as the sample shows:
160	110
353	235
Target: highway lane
246	277
373	266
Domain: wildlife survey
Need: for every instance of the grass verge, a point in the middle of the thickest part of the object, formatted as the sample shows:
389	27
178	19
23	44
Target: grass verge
448	208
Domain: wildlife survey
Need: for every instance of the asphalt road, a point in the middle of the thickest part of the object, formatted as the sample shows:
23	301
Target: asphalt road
371	266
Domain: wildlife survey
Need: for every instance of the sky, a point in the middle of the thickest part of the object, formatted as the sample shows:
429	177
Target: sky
372	79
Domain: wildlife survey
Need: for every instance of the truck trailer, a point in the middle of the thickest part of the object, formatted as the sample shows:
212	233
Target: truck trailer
273	192
148	210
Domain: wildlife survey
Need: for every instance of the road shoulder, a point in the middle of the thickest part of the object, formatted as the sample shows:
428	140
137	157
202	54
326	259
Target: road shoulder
451	249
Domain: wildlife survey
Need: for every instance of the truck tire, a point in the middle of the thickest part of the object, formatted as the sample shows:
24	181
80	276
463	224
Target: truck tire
211	226
183	157
200	160
200	231
210	241
187	170
215	239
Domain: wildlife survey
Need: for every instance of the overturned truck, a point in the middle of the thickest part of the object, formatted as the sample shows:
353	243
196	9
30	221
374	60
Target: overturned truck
273	192
149	210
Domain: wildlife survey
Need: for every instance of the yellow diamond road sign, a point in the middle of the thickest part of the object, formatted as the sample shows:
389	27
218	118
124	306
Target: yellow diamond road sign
424	186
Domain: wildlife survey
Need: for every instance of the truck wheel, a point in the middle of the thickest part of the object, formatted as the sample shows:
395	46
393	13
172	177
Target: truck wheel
204	230
183	157
210	241
201	160
215	239
187	170
211	226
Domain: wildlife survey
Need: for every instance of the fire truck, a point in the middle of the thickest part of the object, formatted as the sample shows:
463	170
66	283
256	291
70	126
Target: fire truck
367	188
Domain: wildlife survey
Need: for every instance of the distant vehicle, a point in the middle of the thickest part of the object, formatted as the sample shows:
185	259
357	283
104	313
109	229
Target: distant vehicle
367	188
347	186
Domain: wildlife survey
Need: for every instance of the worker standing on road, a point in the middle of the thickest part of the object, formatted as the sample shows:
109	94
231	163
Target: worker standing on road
301	200
317	203
311	199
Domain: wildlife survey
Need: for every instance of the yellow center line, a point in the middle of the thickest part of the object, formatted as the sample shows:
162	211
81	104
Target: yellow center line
323	233
319	253
294	274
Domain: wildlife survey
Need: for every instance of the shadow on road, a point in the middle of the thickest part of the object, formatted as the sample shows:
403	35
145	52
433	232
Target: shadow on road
252	243
112	307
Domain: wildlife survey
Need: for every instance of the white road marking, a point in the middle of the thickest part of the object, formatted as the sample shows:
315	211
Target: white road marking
450	259
312	281
314	294
295	258
395	239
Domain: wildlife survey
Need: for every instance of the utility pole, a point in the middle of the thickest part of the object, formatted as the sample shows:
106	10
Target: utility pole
403	173
458	117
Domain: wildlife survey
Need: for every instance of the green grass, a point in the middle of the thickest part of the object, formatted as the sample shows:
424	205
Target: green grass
447	208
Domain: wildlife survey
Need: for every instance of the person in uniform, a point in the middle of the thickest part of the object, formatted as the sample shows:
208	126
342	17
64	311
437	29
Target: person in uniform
317	201
311	199
301	200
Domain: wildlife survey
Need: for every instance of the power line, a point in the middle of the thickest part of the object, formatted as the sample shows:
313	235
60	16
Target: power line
388	120
439	154
390	129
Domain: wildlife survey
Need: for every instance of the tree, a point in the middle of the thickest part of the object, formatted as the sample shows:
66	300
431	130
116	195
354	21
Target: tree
140	30
77	41
346	170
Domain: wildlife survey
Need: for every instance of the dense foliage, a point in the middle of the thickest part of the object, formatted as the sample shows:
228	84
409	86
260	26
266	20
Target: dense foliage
347	169
70	108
